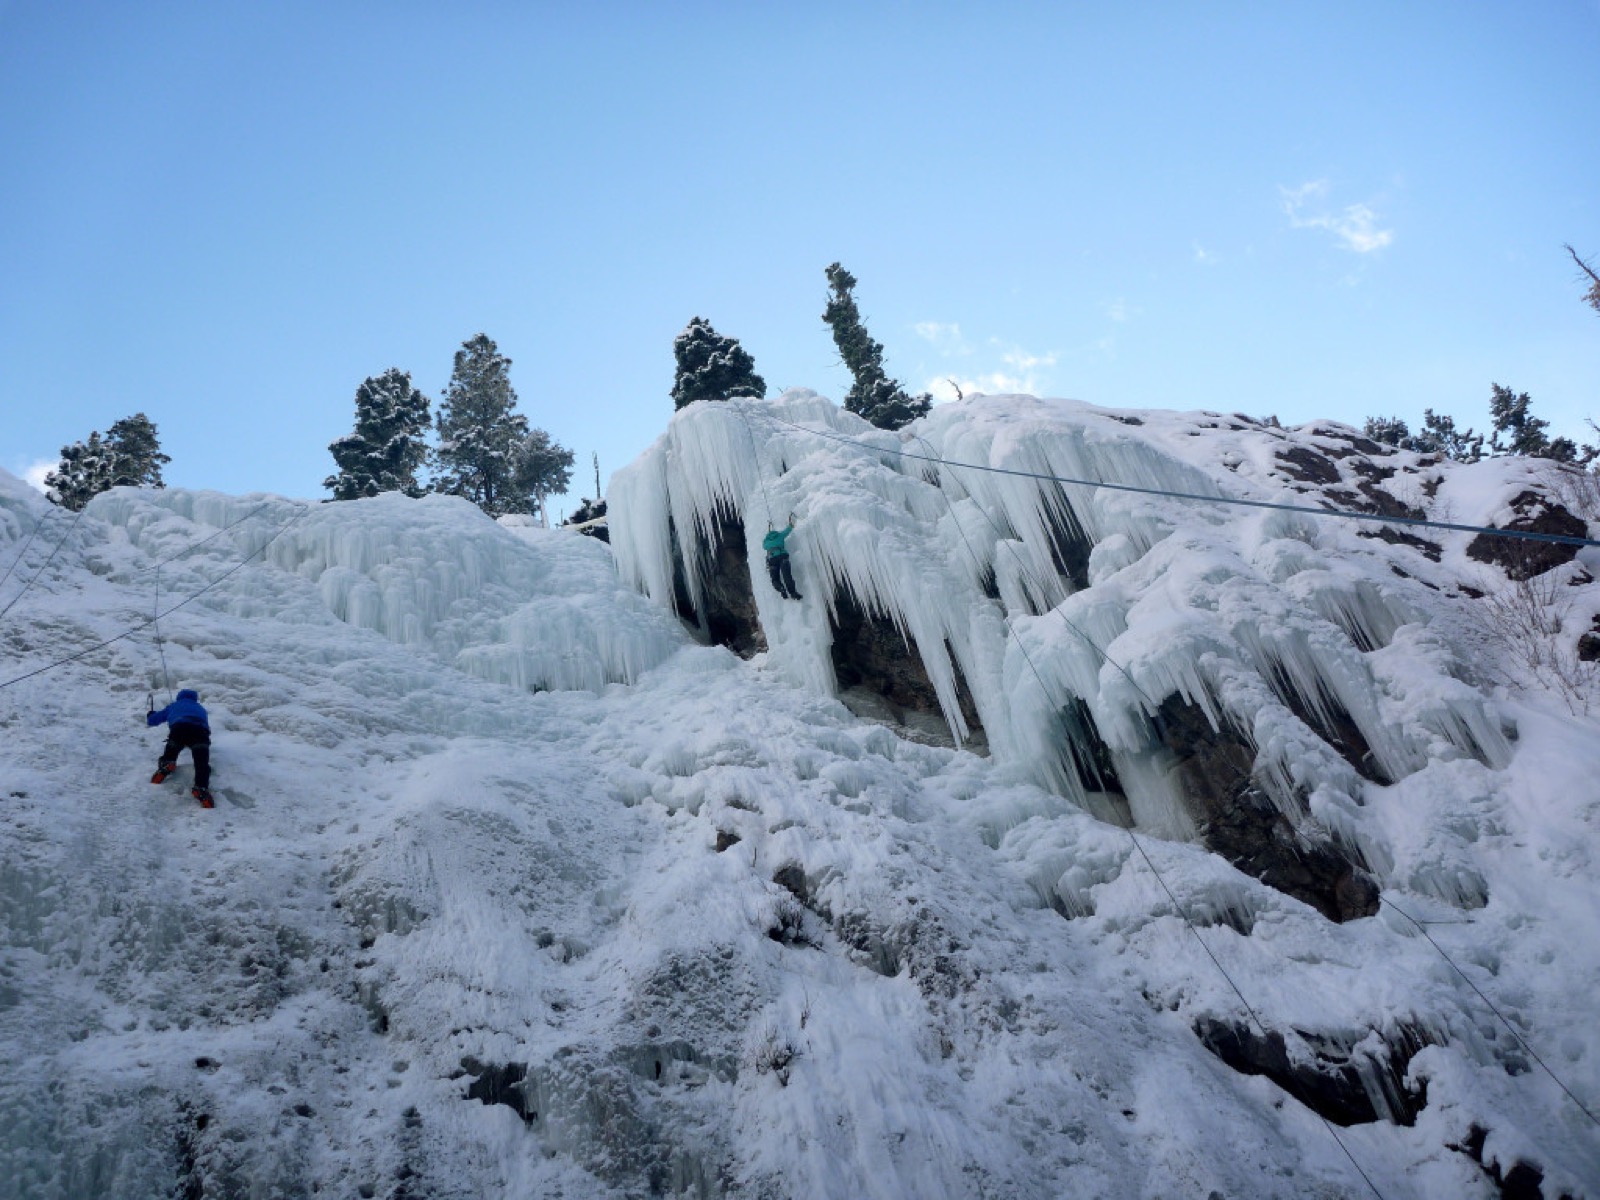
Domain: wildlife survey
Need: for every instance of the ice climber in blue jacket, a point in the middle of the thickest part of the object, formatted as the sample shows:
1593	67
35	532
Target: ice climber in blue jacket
187	728
778	569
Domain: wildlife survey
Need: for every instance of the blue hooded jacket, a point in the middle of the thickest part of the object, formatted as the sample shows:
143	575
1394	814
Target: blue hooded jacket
185	710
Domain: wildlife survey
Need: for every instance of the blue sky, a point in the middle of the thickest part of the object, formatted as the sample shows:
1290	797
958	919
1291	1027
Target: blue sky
226	215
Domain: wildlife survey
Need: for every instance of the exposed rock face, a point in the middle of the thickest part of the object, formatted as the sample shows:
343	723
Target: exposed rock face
1524	1181
881	677
619	1112
1522	559
870	654
1237	820
879	669
1070	546
872	524
727	613
1306	465
880	672
1589	644
1338	1076
1336	726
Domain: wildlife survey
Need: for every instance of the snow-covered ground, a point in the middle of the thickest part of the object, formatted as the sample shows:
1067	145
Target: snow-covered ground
492	826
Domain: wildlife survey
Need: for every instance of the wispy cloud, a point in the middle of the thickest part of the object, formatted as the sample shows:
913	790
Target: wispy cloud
945	338
1020	372
1021	360
1356	225
1203	256
33	473
1119	310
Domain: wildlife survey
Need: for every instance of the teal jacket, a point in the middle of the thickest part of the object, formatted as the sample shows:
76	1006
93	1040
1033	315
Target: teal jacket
773	542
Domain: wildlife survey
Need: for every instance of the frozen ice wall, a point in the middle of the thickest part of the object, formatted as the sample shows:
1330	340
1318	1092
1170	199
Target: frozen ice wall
1074	612
538	609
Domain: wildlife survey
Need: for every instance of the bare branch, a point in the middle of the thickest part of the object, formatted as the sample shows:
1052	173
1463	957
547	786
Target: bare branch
1592	296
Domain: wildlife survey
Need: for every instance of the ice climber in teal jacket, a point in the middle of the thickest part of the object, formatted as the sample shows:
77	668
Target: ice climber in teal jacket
778	560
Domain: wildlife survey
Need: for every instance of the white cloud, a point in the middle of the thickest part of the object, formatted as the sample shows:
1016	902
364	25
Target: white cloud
1019	358
1203	256
1119	310
33	473
946	339
1020	374
1356	225
994	383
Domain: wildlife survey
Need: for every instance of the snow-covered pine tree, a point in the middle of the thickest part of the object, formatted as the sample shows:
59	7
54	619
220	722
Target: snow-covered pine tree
1391	431
481	436
1517	430
388	446
544	468
127	456
873	394
1439	435
135	453
83	473
712	366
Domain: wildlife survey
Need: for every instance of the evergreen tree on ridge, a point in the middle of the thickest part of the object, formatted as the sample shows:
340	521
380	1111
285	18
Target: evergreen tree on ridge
129	455
873	394
388	446
544	469
480	433
711	366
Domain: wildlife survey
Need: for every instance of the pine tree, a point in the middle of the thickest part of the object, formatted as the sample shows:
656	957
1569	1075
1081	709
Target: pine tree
83	473
481	437
1521	431
135	453
712	367
544	469
388	446
1390	431
873	394
129	455
1439	435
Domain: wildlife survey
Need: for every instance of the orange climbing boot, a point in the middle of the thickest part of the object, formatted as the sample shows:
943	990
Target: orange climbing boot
163	769
204	796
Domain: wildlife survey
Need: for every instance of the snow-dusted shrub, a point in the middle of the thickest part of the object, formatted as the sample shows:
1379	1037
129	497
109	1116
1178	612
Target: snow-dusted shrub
774	1054
1521	625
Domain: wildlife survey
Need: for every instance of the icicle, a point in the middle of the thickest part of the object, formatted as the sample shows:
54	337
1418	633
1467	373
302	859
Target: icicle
1043	595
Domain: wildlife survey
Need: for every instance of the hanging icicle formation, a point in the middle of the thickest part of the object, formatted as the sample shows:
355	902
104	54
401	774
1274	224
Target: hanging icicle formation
434	573
1083	622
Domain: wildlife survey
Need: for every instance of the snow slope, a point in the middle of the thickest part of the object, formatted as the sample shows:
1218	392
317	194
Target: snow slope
500	896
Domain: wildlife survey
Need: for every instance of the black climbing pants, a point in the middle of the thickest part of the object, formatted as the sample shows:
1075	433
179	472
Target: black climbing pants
197	740
782	577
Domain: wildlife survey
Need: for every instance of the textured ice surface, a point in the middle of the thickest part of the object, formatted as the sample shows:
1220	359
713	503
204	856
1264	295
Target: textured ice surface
1112	600
424	880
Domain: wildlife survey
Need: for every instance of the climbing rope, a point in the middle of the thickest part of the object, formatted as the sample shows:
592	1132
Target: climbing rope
159	563
1350	514
156	566
1132	836
1333	841
1521	1041
38	524
155	604
59	543
755	451
155	621
143	625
